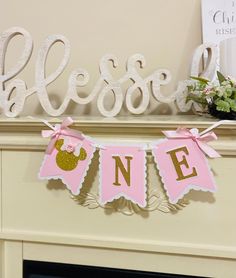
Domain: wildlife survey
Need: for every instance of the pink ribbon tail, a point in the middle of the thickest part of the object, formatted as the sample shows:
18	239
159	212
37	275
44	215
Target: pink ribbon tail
208	150
51	144
202	143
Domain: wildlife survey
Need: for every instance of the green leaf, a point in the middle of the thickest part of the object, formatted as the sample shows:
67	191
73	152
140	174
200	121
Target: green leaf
190	88
233	105
197	99
233	95
225	94
222	105
200	79
229	92
229	100
221	77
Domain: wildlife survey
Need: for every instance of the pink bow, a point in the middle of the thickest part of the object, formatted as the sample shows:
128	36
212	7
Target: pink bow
201	140
60	129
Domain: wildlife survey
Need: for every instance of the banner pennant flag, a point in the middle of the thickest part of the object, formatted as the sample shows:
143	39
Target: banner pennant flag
182	163
67	157
123	173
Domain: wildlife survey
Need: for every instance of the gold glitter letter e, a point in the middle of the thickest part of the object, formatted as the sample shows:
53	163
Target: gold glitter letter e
178	164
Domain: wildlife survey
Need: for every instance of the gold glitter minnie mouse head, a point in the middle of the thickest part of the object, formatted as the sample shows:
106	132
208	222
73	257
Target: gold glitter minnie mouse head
65	160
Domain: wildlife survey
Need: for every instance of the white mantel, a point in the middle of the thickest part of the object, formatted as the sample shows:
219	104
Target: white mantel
40	220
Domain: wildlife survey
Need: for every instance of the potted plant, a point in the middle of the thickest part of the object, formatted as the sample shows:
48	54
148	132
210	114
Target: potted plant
217	98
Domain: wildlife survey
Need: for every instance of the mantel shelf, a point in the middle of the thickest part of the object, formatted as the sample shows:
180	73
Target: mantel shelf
143	122
25	132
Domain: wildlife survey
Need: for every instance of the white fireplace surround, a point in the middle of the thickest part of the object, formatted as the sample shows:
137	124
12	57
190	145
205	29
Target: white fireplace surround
40	221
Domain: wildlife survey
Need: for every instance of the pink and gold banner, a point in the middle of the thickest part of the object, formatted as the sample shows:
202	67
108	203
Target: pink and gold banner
180	158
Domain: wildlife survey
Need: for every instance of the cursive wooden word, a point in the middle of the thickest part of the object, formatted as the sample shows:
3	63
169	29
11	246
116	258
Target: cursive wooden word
12	105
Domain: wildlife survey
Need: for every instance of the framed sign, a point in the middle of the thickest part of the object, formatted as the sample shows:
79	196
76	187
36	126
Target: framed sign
218	27
218	20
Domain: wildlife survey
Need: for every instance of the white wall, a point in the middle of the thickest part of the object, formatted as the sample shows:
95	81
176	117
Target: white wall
165	31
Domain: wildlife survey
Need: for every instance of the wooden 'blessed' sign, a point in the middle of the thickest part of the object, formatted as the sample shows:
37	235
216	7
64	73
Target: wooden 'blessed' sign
12	105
